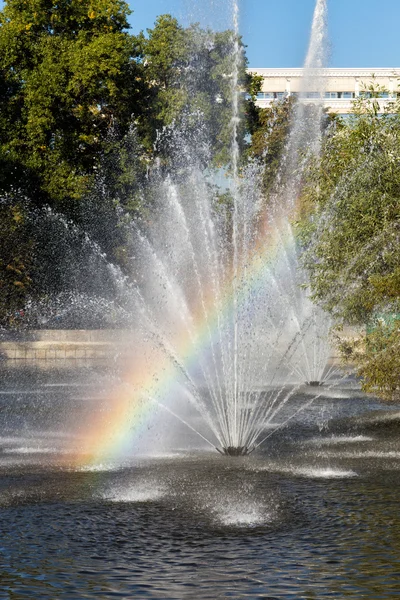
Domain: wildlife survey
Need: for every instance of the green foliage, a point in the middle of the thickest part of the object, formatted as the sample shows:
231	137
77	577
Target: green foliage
191	75
15	261
377	358
68	71
83	105
350	229
68	74
120	187
270	138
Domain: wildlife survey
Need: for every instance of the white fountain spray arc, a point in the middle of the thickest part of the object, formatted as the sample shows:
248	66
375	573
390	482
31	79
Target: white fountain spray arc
217	294
253	357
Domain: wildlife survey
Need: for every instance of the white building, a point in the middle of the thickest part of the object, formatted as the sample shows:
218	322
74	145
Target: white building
340	86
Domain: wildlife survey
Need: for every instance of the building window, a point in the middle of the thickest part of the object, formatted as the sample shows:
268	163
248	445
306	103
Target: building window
365	94
271	95
265	96
348	95
332	95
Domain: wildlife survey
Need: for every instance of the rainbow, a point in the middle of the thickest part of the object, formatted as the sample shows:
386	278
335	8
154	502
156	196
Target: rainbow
110	434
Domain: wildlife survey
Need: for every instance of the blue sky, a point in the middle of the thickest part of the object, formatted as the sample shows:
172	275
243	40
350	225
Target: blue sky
363	33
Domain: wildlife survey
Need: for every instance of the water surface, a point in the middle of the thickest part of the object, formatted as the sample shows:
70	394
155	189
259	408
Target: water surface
313	515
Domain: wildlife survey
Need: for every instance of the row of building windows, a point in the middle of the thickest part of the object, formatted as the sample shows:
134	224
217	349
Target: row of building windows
345	95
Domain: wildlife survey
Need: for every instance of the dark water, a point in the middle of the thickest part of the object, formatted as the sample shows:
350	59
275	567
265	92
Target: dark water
314	515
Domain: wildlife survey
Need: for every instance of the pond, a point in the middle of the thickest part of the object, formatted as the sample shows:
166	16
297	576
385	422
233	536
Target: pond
313	515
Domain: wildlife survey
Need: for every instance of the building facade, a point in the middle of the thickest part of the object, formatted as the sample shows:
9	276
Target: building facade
340	86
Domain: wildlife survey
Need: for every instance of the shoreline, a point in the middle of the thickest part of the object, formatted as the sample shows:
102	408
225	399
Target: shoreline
84	345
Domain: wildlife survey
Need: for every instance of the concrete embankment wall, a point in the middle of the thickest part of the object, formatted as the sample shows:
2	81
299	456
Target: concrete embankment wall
60	344
82	345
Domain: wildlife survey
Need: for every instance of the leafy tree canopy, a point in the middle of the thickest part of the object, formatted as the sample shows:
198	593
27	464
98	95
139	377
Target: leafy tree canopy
351	232
352	229
15	260
82	105
270	138
191	74
68	69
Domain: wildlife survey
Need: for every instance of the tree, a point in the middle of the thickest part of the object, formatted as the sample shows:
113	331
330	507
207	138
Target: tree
83	107
351	231
68	70
15	260
377	356
191	75
270	138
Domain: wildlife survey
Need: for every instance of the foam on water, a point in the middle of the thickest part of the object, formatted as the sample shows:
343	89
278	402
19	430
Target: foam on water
240	514
137	492
339	440
37	437
311	472
162	455
99	468
324	473
369	454
14	440
30	450
19	460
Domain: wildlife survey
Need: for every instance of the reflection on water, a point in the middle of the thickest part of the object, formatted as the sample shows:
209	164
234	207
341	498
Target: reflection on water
314	515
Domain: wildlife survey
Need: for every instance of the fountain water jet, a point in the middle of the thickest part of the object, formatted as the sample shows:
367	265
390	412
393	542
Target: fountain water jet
223	323
236	451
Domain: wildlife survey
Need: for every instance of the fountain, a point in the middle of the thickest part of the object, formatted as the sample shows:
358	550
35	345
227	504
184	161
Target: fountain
224	330
223	321
235	451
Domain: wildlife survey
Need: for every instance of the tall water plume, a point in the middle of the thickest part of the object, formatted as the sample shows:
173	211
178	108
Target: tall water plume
317	53
306	130
236	199
313	77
